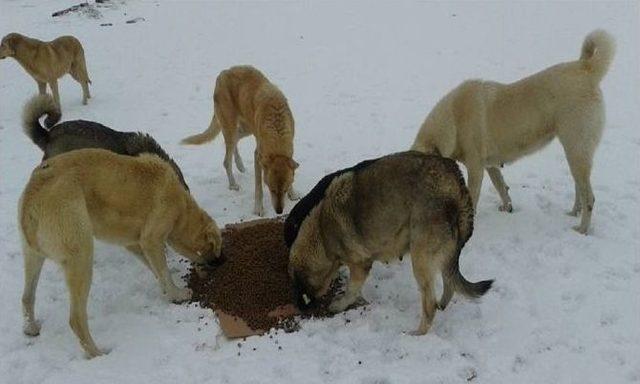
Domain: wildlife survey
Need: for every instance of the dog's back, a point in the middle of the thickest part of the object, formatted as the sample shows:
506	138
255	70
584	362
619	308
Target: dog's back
78	134
508	121
119	186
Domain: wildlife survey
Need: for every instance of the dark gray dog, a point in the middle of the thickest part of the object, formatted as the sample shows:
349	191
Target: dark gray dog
78	134
379	210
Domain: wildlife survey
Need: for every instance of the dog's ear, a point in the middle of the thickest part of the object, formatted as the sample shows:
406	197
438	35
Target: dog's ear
293	164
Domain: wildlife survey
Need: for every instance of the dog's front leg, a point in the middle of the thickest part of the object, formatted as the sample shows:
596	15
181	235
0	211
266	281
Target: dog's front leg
258	208
154	252
357	275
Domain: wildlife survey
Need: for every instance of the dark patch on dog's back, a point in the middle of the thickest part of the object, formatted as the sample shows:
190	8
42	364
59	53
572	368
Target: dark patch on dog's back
80	134
301	210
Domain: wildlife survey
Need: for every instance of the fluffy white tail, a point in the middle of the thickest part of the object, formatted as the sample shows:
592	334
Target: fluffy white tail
33	110
598	50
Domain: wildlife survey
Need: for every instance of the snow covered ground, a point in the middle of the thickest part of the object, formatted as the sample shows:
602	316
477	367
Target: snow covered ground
360	78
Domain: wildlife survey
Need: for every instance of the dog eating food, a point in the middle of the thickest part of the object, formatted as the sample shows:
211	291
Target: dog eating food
252	285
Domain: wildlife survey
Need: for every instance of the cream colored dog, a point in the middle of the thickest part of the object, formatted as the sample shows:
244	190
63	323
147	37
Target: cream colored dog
47	61
487	124
137	202
246	103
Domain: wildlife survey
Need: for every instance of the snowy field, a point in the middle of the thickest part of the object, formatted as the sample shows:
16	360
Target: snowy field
360	78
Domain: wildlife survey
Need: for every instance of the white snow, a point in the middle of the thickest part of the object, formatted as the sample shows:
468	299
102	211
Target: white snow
360	78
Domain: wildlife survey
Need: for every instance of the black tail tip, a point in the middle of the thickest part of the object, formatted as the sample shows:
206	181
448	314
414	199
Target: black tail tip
482	287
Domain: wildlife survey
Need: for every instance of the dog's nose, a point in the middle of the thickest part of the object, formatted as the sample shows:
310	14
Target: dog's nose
215	262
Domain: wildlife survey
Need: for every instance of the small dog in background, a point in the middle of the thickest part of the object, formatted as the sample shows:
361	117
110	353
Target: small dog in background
47	61
79	134
486	124
246	103
136	202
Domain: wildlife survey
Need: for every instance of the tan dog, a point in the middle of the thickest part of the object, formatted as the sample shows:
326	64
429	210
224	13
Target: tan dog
47	61
487	124
137	202
246	103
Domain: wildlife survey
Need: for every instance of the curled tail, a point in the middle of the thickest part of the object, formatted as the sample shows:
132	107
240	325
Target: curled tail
33	110
451	276
598	50
208	135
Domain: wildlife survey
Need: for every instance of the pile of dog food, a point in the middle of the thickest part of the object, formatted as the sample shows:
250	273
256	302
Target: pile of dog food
252	284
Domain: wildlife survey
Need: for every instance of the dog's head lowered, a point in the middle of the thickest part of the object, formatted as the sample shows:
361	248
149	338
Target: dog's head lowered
8	45
310	269
279	171
199	239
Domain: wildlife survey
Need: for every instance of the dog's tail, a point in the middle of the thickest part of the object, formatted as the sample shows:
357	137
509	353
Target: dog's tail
452	278
34	109
208	135
598	50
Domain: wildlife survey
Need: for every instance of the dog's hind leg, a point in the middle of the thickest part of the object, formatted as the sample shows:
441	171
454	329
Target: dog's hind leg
243	131
230	142
357	276
32	267
579	136
425	276
42	87
580	165
475	174
576	203
85	87
78	268
79	73
238	159
503	190
431	244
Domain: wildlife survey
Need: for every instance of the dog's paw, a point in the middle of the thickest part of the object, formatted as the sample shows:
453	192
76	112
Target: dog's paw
506	208
293	195
581	230
181	295
31	328
258	210
573	213
423	328
234	187
90	353
340	305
